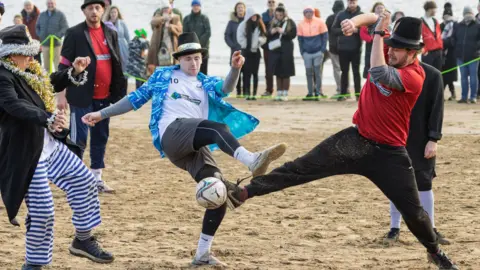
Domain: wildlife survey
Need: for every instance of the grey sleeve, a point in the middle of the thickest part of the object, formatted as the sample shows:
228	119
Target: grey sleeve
388	76
121	107
231	81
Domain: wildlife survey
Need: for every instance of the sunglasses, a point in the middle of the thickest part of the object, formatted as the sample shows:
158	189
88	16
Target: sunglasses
271	2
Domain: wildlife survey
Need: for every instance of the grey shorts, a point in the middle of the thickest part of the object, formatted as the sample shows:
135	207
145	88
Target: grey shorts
177	143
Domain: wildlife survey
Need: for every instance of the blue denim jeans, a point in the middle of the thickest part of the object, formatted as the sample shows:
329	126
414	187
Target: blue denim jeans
469	72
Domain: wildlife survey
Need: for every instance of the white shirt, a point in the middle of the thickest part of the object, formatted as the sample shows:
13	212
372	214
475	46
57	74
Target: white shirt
185	99
49	146
430	23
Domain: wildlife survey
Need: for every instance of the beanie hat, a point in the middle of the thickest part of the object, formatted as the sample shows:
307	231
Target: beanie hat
467	10
429	5
447	5
141	33
196	3
447	11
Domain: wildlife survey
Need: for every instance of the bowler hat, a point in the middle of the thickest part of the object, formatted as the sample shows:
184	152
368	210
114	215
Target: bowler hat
406	34
89	2
188	43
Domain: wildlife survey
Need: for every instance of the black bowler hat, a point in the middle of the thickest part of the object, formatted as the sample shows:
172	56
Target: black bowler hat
16	40
89	2
406	34
188	43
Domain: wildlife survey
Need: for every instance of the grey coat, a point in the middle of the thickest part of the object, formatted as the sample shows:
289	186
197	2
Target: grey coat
54	24
123	39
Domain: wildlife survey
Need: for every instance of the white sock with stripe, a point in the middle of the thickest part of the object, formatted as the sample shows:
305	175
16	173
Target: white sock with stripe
97	173
244	156
204	245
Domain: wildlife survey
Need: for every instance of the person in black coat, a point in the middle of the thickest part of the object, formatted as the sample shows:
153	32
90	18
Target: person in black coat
426	123
349	49
106	83
281	59
466	40
35	150
236	18
449	60
332	43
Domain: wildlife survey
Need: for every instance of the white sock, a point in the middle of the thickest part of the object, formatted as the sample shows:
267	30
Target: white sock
279	93
285	93
97	173
428	204
395	217
245	156
204	245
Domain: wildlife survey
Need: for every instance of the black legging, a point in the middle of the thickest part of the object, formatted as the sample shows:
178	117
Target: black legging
210	132
252	63
213	217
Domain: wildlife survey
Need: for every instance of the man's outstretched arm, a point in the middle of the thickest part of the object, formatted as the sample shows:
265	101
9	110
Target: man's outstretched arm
232	78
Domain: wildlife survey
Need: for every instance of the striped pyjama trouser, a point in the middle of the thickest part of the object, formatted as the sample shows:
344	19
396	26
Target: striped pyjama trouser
69	173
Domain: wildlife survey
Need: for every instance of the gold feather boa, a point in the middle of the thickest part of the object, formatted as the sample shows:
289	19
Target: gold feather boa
37	78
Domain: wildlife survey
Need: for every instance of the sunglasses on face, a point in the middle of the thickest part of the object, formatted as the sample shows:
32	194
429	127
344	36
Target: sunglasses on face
271	2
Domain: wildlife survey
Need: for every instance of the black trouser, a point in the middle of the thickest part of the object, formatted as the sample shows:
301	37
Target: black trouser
346	152
347	57
252	63
434	59
451	87
268	72
204	66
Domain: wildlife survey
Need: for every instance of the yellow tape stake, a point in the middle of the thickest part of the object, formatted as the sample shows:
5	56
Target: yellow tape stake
51	54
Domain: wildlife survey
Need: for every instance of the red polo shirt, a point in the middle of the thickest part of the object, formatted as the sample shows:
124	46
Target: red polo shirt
383	113
103	73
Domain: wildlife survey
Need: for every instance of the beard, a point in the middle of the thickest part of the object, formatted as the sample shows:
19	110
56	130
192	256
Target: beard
399	63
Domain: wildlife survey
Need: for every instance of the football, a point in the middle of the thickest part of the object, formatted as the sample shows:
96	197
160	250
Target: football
211	193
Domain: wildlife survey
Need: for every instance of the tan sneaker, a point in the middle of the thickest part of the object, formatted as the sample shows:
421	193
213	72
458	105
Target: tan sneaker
208	259
260	165
104	188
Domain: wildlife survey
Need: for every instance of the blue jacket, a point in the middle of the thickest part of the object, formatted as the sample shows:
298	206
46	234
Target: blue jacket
156	88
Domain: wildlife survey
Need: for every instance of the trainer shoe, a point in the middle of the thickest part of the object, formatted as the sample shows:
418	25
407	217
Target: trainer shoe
208	259
104	188
391	237
236	195
31	267
90	249
441	260
260	165
309	97
472	101
441	239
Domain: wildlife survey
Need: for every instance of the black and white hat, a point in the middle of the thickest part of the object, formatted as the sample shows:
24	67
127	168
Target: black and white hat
188	43
16	40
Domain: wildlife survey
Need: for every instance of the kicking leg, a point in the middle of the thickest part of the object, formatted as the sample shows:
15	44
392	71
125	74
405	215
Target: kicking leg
69	173
342	153
211	221
210	132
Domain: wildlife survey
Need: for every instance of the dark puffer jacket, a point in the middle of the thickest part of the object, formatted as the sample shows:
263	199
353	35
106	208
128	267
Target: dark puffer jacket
333	38
466	40
231	32
350	43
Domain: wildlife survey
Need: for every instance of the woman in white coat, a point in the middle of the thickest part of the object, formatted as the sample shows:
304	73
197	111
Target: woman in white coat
251	35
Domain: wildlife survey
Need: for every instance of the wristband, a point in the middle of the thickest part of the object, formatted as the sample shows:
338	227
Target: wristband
77	82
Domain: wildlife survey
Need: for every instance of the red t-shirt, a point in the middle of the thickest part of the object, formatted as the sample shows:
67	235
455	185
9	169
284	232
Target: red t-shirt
103	73
383	113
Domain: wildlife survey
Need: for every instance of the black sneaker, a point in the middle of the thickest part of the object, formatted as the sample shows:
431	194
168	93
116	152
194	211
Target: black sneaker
341	98
321	95
441	239
441	260
90	249
464	101
391	237
31	267
236	194
308	97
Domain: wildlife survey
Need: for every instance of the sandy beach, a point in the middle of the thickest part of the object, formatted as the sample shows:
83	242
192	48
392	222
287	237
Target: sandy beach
153	221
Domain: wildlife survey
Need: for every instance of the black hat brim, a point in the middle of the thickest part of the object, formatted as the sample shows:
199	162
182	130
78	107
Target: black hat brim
93	2
203	51
402	45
